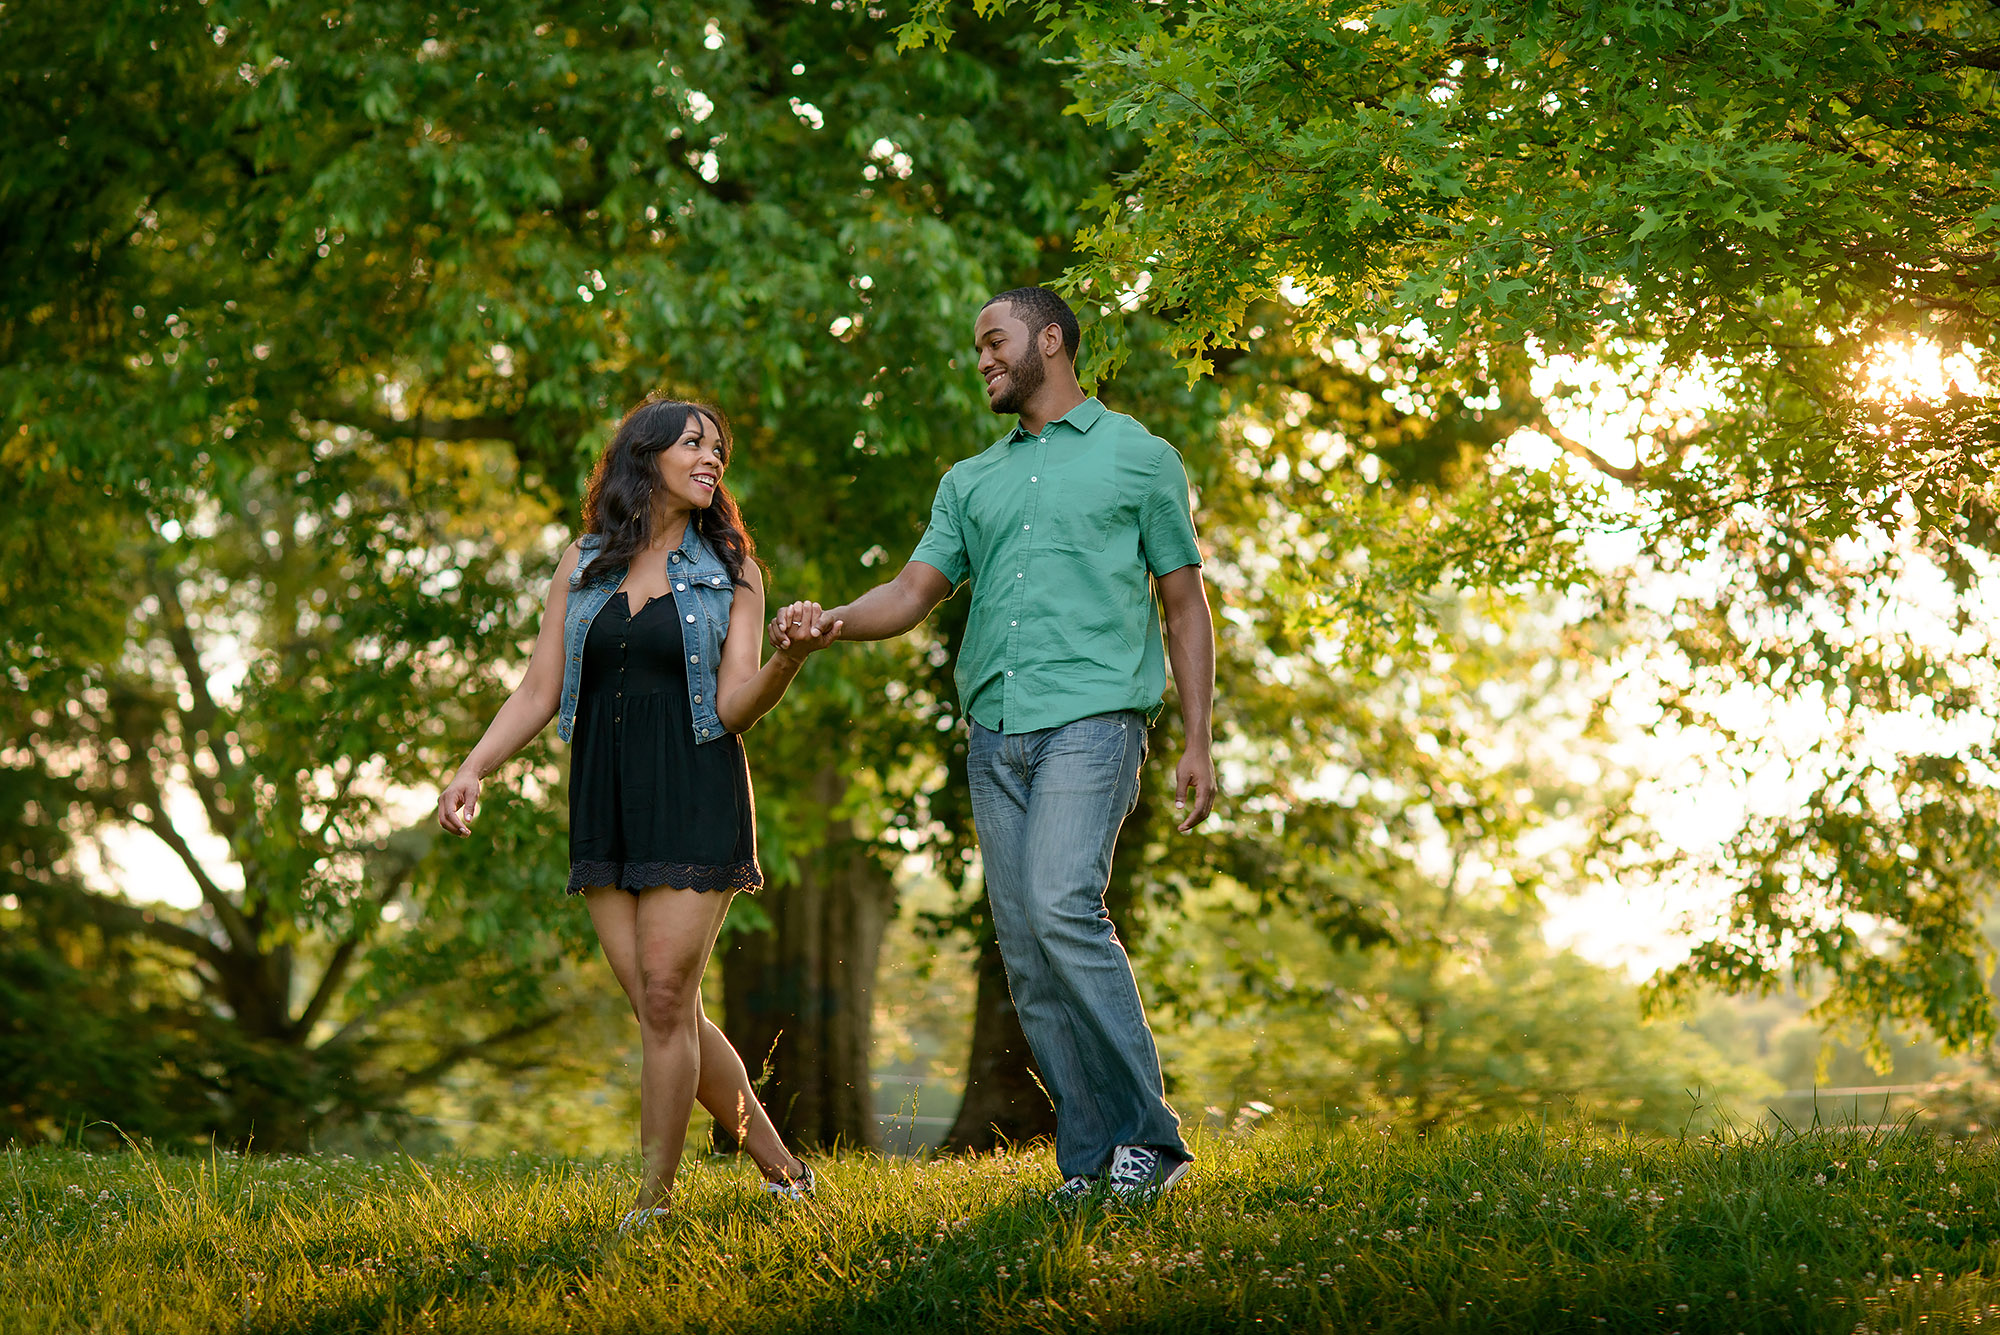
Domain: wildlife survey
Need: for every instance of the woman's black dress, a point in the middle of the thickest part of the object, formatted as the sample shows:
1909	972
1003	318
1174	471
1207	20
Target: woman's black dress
647	806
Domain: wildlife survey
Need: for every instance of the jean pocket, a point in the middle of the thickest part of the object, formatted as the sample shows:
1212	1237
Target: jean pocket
1100	727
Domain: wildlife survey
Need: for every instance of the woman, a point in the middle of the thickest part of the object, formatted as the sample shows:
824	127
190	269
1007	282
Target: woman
648	654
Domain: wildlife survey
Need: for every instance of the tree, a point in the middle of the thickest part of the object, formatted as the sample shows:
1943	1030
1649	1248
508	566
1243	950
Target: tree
350	300
1747	215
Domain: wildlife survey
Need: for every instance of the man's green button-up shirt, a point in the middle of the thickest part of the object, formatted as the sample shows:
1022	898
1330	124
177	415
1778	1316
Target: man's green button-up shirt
1061	534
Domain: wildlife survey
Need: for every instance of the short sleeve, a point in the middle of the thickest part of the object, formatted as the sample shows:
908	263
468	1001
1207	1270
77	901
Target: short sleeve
1166	524
943	543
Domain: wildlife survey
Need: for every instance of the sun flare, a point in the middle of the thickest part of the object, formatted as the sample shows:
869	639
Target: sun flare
1917	368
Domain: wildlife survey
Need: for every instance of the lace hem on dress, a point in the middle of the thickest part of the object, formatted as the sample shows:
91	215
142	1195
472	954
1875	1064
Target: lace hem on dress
681	875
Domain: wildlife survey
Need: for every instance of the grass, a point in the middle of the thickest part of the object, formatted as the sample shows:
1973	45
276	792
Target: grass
1291	1228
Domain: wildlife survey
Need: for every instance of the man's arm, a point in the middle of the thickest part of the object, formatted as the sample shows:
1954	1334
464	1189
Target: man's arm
882	613
1191	648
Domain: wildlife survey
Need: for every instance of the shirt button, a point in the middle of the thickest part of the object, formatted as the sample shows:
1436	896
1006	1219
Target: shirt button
690	617
675	557
694	658
681	587
1034	479
1010	674
1013	623
1024	528
1018	574
697	699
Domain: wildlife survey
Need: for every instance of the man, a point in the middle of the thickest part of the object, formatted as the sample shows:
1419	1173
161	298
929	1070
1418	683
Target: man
1064	527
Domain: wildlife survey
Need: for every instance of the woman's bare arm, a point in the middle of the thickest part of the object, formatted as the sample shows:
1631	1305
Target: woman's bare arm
527	711
745	691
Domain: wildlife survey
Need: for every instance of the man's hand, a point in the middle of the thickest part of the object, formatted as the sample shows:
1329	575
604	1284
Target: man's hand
1195	771
797	630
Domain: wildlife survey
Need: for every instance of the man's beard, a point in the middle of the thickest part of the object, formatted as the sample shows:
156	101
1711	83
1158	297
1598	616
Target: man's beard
1023	379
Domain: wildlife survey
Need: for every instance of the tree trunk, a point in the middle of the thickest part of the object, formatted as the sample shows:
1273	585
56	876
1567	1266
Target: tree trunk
800	996
1004	1100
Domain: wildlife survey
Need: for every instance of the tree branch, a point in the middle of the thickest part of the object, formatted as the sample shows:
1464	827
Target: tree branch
204	719
119	805
241	937
464	1052
348	1032
113	915
1635	475
397	861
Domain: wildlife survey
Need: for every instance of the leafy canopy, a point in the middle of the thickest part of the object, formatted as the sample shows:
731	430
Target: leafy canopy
1747	215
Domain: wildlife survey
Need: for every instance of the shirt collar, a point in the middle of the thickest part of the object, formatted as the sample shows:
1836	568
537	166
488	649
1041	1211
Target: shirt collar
1082	417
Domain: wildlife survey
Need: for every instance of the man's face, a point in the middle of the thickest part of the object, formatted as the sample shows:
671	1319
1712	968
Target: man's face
1010	358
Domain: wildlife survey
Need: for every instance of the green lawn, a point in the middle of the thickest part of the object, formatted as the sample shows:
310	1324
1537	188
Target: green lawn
1292	1228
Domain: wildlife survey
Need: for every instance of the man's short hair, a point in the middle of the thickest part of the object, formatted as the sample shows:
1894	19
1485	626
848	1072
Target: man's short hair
1038	308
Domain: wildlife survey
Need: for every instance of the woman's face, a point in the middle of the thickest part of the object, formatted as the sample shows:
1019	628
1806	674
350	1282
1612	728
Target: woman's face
691	468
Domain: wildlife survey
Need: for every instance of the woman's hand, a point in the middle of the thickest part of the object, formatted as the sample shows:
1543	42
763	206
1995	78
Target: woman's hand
796	631
458	803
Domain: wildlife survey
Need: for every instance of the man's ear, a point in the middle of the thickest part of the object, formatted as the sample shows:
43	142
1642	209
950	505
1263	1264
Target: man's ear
1050	331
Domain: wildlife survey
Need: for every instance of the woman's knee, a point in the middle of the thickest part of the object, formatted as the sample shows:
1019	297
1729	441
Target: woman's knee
669	1001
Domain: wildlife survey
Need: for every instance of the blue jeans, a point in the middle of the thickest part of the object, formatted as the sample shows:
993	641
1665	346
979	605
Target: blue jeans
1048	805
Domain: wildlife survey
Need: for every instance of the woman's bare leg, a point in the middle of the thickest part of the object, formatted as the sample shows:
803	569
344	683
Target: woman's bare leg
633	933
664	937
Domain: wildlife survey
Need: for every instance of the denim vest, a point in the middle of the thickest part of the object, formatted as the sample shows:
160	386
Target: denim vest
702	595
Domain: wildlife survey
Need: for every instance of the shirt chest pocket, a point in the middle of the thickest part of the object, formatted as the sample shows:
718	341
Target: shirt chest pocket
1080	514
711	592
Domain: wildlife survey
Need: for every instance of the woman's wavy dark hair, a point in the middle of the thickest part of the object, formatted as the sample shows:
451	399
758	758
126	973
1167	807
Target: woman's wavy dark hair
619	502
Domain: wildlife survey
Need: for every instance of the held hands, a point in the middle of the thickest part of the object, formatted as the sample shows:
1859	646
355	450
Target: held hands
1195	771
801	628
458	803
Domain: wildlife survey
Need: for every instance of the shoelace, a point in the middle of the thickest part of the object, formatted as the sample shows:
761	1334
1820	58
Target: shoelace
1135	1168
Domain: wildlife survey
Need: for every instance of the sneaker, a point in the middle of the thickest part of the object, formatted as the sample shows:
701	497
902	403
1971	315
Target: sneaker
1073	1191
1141	1174
635	1220
793	1189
